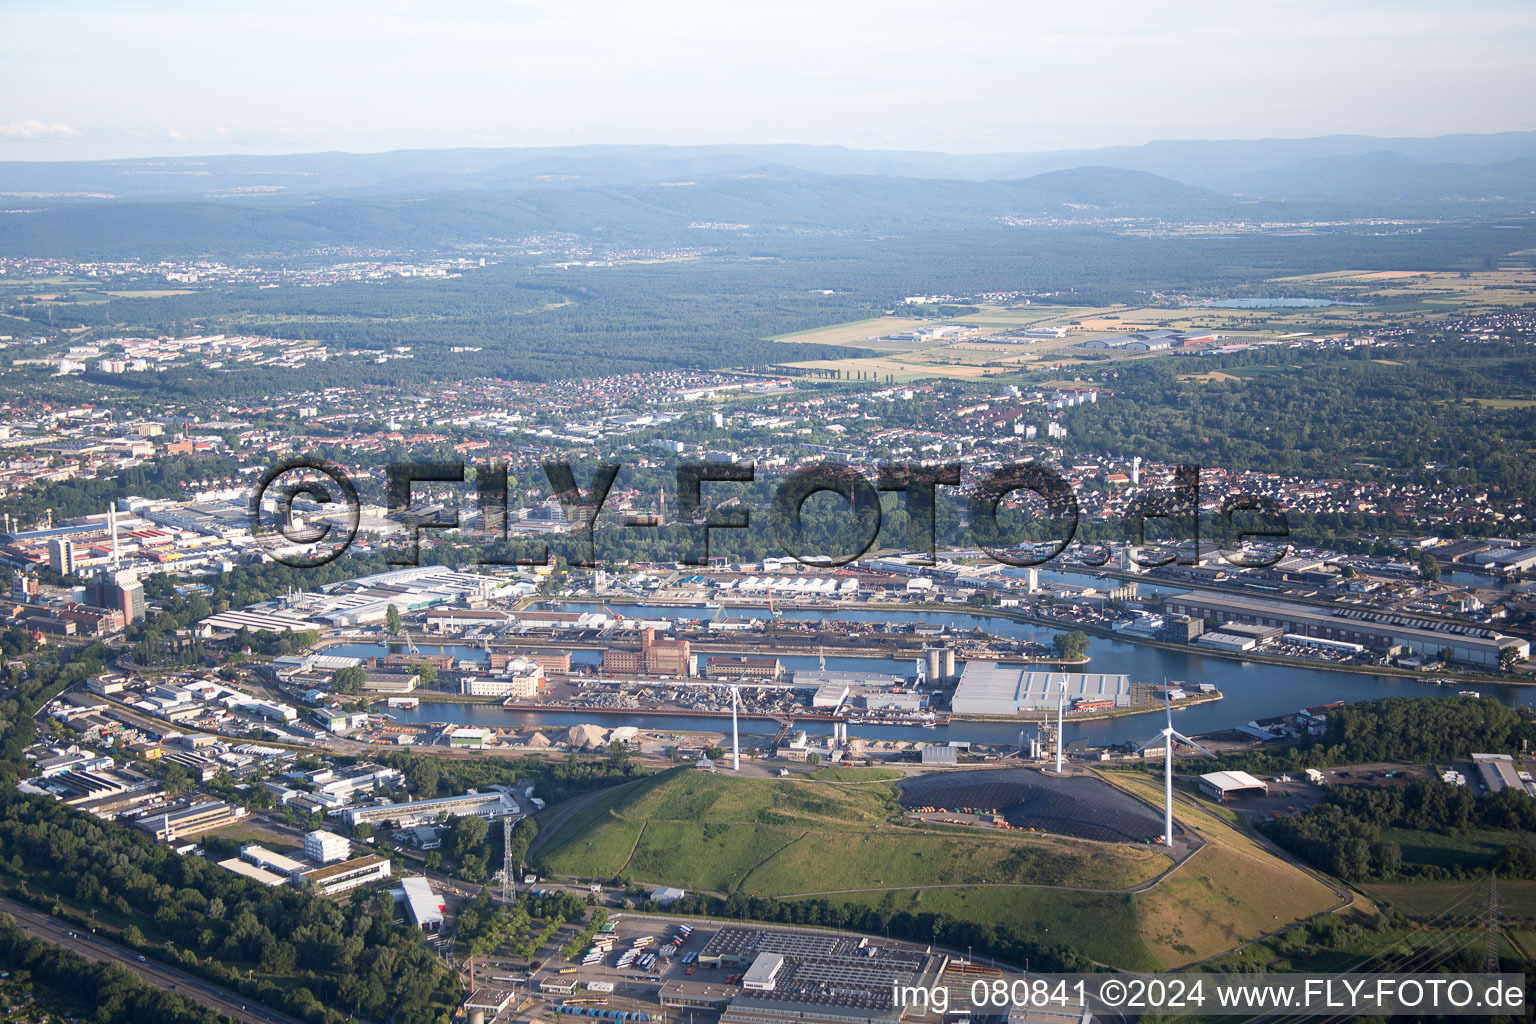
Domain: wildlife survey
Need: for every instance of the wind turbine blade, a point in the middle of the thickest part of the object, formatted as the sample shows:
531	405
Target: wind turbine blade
1186	739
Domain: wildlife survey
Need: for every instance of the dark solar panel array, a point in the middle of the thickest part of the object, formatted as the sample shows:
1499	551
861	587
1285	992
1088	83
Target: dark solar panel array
1076	806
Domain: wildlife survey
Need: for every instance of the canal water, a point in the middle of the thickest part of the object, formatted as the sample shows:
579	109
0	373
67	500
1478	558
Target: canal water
1251	690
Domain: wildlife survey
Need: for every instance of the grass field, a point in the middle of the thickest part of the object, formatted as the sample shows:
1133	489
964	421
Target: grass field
1506	403
844	841
1232	890
777	837
851	333
1473	848
1517	898
1103	926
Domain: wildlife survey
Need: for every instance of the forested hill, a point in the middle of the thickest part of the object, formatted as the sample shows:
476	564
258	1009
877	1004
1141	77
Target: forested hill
771	201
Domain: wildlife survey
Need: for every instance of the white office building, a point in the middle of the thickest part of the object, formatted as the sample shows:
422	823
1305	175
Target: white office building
324	847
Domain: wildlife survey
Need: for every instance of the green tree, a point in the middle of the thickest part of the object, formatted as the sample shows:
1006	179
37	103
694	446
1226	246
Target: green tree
1429	567
1070	646
350	679
422	774
392	619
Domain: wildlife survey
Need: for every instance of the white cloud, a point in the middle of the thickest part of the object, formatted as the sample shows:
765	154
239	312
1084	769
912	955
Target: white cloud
37	130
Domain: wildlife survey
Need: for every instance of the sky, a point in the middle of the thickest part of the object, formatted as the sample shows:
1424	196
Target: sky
165	77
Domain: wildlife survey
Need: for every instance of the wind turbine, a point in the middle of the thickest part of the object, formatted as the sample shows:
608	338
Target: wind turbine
1168	735
735	733
1061	705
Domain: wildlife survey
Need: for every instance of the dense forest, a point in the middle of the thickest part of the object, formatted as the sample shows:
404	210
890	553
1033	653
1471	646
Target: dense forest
535	321
1419	414
1343	835
1416	730
85	990
316	958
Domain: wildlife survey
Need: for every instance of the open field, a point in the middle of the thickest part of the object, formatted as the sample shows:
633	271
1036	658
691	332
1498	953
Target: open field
1440	290
1474	847
1388	297
1506	403
151	293
1102	926
855	333
1231	891
794	836
845	842
1517	898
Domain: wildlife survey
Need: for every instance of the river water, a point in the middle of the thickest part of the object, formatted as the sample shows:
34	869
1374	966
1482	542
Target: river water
1251	690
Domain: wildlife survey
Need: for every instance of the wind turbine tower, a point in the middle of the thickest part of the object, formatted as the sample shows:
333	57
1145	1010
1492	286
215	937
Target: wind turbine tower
735	732
1061	706
1168	735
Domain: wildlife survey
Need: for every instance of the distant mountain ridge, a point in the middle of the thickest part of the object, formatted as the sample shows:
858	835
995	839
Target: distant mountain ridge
761	202
1340	167
640	195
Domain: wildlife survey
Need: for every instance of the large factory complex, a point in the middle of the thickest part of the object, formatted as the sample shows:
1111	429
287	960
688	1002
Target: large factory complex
1369	630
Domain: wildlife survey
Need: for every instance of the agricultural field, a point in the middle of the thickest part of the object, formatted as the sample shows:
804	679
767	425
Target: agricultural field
1442	291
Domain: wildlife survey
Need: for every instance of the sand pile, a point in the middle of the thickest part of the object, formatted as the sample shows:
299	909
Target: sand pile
586	737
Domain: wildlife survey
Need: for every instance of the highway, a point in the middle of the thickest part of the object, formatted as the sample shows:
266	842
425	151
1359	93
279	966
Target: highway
152	972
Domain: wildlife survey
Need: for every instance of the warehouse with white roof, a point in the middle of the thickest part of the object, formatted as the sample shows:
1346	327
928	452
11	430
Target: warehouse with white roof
999	688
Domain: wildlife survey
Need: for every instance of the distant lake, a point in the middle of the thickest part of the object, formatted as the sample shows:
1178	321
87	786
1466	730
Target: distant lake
1273	303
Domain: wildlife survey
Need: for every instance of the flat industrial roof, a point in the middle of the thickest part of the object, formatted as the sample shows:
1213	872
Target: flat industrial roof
988	687
265	858
356	864
251	871
1226	781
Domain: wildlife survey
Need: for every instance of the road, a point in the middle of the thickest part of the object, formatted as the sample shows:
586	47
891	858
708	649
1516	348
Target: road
152	972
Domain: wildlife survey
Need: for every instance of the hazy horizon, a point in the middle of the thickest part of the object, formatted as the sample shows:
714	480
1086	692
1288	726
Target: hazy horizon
224	154
90	81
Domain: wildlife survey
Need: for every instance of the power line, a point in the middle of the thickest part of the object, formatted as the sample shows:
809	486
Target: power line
1491	927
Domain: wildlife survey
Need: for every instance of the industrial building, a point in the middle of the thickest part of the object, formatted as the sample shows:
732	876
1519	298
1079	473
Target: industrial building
1498	773
361	601
189	821
999	688
271	860
423	906
335	878
802	977
1220	640
422	812
653	657
1225	786
721	666
520	678
1472	645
